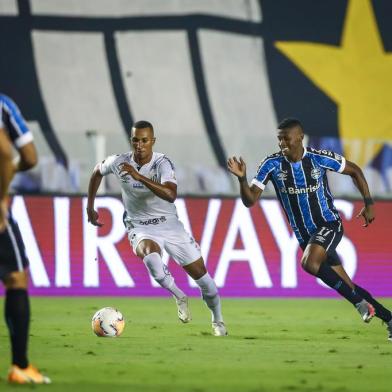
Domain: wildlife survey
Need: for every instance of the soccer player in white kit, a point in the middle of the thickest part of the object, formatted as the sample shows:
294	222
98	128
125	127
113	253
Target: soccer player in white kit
149	189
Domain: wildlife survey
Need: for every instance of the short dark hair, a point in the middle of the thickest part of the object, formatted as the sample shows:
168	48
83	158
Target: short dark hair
143	124
290	122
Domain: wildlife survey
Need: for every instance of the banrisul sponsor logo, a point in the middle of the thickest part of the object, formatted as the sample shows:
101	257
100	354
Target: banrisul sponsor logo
298	191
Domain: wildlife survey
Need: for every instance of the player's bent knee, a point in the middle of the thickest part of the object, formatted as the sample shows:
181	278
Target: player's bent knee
309	266
16	280
158	270
147	247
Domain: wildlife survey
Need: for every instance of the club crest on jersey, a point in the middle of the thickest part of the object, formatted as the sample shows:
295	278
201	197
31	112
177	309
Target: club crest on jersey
282	175
315	173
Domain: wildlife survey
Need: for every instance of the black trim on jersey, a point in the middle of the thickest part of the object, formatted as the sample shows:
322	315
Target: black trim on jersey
160	161
313	198
13	132
329	198
293	199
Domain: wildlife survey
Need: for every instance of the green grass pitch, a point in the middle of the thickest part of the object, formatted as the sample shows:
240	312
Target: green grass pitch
274	345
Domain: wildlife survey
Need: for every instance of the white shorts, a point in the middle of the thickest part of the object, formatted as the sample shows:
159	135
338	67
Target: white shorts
170	235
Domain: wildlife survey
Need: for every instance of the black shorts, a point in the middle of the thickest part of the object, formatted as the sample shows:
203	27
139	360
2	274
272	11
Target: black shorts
328	236
12	251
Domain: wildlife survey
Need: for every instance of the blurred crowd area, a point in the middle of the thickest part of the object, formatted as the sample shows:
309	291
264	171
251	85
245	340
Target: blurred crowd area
214	77
51	177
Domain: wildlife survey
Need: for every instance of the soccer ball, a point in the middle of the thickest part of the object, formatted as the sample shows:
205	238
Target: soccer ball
108	322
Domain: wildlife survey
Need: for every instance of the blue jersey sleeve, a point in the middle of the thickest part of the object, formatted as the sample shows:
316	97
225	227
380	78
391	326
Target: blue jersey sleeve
329	160
263	174
14	123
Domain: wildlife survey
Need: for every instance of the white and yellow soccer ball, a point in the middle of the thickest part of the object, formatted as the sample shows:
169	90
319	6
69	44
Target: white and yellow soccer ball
108	322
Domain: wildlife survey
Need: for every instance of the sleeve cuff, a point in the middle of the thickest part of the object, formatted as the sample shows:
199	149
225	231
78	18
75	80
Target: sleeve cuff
258	184
343	165
21	141
163	180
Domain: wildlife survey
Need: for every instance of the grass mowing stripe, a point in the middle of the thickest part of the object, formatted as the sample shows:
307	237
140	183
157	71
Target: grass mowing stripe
274	345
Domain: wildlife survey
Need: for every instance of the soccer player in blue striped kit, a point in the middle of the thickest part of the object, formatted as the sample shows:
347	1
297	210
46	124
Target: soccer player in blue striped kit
299	177
13	259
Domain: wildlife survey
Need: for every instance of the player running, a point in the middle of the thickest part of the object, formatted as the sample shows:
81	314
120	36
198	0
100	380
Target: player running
13	259
149	189
299	177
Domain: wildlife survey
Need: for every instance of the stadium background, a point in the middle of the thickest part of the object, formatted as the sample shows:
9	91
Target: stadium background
214	77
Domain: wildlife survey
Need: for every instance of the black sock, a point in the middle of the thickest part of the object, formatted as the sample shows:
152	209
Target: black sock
381	312
333	280
17	316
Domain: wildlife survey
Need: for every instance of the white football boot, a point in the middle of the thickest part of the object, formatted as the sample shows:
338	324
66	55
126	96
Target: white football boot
219	328
184	313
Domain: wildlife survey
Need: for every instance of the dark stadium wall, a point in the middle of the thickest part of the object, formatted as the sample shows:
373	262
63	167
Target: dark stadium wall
249	252
277	30
18	74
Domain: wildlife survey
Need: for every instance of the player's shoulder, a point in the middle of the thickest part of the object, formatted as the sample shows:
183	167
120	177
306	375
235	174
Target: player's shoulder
276	157
270	161
115	159
160	158
323	153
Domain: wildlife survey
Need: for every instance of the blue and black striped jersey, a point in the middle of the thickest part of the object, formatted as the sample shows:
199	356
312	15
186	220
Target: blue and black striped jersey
302	188
13	122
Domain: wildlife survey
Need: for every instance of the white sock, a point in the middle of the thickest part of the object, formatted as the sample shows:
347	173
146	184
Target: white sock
210	296
161	274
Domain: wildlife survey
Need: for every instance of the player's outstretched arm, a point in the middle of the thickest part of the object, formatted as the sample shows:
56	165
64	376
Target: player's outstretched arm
27	158
355	172
166	191
95	182
6	174
249	195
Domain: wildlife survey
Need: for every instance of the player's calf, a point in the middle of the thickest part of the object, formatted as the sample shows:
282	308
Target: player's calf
211	297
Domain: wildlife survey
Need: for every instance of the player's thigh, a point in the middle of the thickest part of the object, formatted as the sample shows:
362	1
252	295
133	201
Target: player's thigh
13	258
181	246
185	254
144	241
314	255
322	247
147	246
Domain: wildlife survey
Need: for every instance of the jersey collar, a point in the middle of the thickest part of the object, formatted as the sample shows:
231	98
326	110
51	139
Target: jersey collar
303	156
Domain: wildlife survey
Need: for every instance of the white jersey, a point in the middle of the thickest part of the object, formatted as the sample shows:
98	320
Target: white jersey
142	205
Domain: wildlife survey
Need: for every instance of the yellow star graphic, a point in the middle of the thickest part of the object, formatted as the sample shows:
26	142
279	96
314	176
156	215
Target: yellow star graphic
357	76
